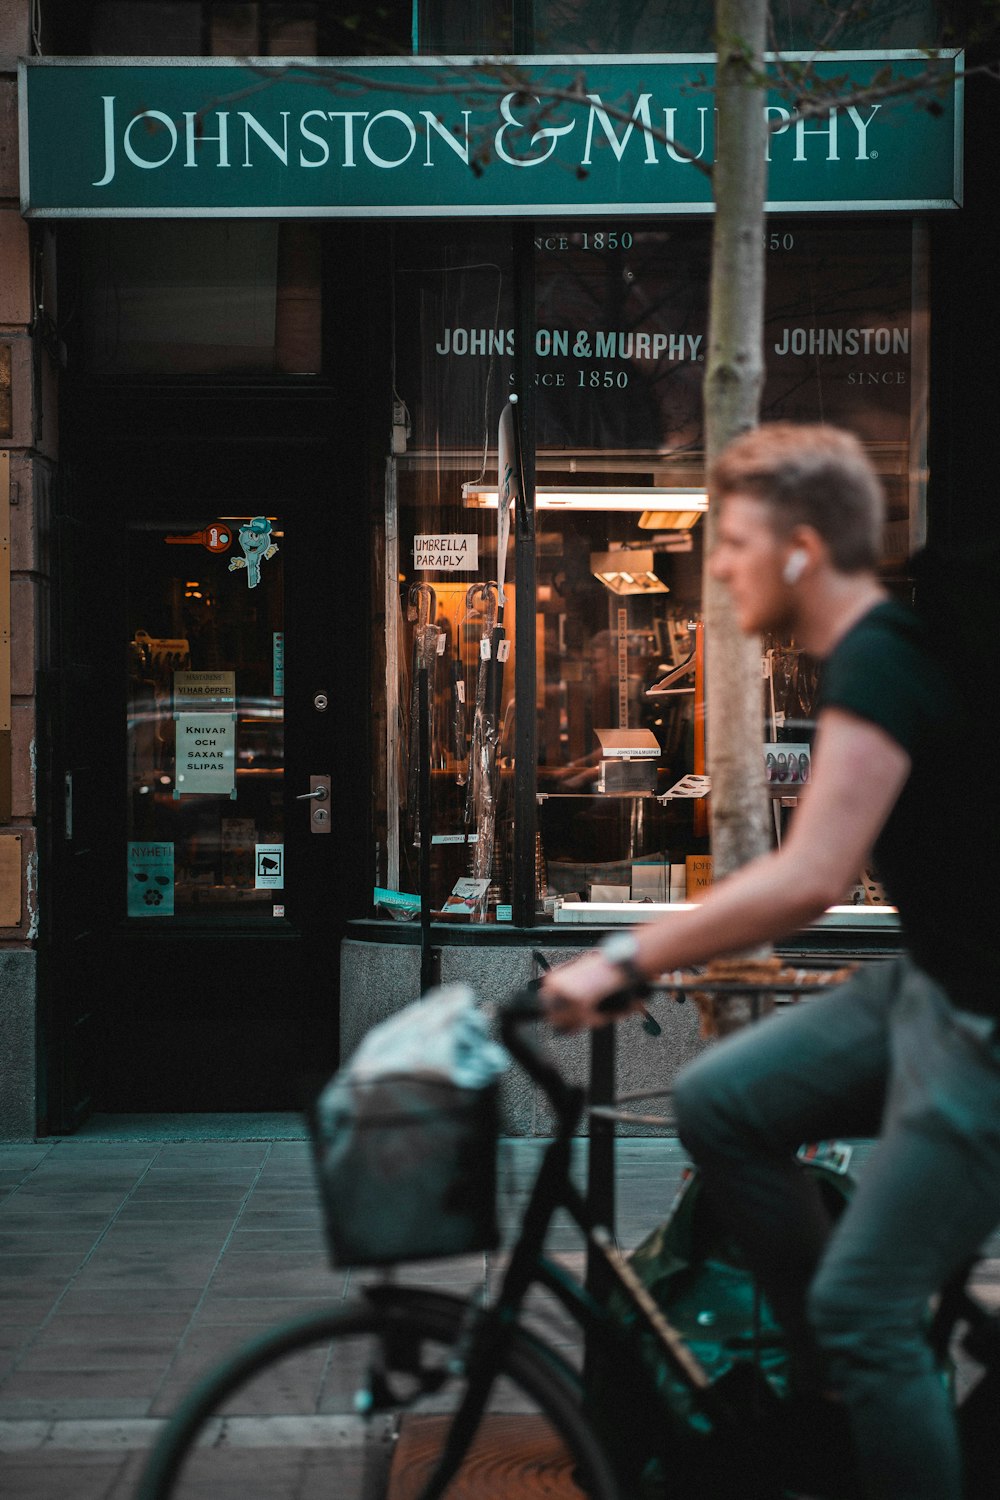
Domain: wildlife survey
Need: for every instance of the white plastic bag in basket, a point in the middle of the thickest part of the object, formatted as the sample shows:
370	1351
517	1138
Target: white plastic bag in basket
441	1035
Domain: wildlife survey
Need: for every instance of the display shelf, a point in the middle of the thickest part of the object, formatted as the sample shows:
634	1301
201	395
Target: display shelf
600	913
600	796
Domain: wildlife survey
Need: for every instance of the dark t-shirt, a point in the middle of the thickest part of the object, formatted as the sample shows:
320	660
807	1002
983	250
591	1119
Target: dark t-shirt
939	852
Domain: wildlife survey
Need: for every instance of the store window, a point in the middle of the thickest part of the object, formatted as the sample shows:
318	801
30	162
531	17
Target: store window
227	28
586	26
188	28
449	593
165	297
620	344
205	725
581	28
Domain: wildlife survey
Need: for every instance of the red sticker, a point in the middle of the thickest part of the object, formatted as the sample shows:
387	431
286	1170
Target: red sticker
217	538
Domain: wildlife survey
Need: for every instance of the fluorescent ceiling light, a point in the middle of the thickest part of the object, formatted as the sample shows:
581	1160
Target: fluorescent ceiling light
646	499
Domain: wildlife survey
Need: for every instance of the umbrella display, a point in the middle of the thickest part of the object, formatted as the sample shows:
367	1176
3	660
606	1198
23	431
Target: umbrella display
421	609
481	797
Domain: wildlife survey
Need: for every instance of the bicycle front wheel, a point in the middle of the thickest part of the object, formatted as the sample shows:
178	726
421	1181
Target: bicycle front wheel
353	1403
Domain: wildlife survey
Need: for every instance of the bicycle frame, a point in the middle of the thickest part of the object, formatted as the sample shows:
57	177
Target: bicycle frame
437	1342
728	1403
723	1402
553	1189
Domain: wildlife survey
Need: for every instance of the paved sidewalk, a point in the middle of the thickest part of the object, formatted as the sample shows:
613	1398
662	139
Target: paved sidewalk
127	1266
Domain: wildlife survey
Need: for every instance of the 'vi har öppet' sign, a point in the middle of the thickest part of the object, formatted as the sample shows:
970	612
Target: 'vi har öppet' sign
430	137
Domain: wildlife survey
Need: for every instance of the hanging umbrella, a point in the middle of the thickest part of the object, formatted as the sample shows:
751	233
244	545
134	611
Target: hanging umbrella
508	491
483	783
459	726
421	608
481	797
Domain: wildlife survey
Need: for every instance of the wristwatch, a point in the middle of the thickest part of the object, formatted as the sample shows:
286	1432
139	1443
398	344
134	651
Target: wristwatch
621	949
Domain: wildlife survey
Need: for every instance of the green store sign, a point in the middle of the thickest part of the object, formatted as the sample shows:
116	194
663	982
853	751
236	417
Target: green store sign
426	137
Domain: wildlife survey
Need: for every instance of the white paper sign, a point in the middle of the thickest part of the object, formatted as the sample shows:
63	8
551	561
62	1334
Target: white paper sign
206	755
467	894
689	786
446	552
212	691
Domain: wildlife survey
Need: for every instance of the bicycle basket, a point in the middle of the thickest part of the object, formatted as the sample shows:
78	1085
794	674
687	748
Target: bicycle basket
407	1168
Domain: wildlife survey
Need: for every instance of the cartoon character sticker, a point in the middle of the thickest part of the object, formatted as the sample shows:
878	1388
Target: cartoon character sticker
255	540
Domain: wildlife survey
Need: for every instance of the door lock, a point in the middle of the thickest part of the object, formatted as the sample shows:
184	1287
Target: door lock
318	794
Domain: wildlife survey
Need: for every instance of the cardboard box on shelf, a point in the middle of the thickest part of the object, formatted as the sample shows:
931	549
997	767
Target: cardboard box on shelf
699	875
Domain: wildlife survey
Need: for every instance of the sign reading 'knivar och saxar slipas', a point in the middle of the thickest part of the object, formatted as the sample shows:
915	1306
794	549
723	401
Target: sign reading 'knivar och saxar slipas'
429	137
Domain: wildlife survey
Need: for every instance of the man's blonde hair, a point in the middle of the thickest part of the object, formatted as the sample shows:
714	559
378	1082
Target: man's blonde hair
811	475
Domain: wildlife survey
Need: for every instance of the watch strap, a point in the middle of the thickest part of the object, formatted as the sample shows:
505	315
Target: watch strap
621	950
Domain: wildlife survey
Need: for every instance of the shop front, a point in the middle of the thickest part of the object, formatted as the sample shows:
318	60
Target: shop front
613	826
387	391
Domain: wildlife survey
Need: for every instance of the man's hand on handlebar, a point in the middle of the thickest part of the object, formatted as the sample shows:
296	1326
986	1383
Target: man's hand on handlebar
589	991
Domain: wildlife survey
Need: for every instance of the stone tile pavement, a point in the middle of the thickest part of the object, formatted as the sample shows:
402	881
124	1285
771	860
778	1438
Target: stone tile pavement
127	1266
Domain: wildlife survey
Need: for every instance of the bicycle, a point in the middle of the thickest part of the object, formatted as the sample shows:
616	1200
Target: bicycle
418	1393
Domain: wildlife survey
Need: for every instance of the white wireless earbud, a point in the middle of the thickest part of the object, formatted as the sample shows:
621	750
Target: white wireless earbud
795	566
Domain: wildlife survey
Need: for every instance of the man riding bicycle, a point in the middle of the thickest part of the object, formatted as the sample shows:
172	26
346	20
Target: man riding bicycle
908	1050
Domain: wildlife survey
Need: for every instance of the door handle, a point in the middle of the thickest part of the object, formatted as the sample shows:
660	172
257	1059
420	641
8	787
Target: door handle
318	794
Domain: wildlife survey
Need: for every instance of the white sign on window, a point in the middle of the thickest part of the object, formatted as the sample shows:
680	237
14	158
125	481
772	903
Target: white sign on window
211	691
446	552
206	755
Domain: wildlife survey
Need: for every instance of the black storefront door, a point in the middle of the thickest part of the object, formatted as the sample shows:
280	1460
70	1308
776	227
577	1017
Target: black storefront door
211	674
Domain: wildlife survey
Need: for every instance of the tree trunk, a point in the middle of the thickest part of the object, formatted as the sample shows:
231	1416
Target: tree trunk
740	811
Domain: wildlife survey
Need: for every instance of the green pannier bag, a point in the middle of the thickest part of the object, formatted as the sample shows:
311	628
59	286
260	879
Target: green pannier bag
699	1280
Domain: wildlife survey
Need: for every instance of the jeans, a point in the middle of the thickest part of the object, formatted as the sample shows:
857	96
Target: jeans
888	1056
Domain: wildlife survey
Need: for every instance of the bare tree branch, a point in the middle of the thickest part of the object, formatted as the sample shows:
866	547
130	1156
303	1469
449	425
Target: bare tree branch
796	81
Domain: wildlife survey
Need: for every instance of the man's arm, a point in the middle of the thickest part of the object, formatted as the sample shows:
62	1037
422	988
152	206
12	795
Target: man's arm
858	771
